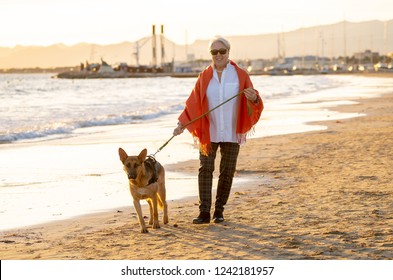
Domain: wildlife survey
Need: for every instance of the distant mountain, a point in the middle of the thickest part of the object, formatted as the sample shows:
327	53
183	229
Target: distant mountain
343	38
340	39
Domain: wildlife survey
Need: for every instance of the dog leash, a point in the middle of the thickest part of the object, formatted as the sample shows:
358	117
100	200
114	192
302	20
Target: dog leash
197	118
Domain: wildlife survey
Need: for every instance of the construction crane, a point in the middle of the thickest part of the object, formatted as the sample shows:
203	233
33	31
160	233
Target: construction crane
138	45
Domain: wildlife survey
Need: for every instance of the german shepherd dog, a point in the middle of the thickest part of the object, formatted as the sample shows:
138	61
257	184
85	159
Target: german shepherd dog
146	178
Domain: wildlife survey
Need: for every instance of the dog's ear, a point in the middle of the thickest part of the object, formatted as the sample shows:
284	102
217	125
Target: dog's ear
142	155
123	155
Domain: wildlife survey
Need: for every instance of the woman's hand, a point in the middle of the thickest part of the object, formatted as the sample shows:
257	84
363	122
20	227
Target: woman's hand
251	94
178	130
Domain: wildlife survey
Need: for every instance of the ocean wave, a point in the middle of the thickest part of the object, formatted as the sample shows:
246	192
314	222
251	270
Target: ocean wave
66	128
33	134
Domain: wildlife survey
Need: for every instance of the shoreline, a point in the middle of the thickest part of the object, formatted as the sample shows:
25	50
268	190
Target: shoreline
313	195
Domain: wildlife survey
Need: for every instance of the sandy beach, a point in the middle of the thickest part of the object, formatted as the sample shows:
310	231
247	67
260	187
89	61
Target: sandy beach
316	195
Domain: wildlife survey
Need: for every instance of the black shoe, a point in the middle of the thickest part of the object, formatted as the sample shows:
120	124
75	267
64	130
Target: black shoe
203	218
218	217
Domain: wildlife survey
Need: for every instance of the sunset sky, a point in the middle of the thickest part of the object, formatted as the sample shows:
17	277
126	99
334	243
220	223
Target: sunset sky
46	22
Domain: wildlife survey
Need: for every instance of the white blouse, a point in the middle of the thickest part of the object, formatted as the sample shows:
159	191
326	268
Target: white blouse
223	119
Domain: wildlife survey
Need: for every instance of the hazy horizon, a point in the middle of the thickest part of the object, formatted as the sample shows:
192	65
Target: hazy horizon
148	35
69	22
333	40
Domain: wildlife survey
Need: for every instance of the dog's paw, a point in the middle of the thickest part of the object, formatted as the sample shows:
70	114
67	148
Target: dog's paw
144	230
156	225
166	220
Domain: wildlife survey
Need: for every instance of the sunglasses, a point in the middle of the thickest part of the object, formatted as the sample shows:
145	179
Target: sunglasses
221	51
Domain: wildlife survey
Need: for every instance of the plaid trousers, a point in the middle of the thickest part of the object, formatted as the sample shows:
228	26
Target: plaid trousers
229	153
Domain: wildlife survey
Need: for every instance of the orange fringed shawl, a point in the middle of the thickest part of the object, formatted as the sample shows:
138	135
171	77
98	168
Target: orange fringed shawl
197	104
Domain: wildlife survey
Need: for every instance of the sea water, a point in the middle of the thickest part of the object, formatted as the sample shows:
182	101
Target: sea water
59	138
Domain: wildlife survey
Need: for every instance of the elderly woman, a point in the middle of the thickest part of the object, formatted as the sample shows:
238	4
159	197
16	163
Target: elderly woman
225	127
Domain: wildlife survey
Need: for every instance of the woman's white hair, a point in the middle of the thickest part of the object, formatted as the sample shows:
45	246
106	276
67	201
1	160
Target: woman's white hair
220	39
